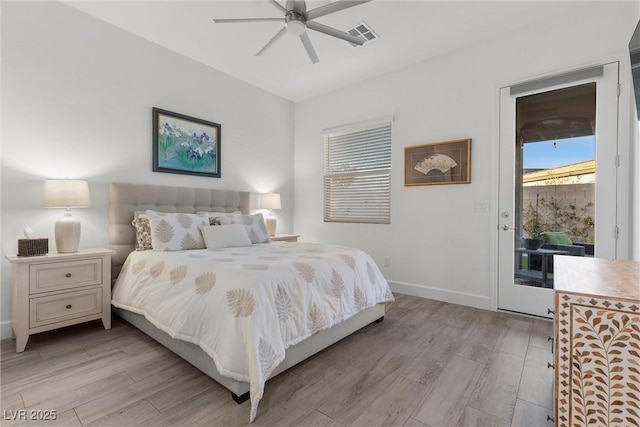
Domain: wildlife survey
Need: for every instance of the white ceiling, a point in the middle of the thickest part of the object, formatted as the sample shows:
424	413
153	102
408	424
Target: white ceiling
409	31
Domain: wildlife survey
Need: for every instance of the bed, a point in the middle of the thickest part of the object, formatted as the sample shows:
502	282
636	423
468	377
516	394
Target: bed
249	337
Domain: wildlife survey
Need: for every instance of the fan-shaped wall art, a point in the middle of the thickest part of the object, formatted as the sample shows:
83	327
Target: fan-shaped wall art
440	163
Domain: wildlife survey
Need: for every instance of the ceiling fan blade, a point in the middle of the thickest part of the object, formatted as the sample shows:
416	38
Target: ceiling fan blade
280	7
335	33
306	41
243	20
274	39
333	7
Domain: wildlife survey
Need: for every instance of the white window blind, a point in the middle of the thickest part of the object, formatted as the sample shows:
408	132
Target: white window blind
357	175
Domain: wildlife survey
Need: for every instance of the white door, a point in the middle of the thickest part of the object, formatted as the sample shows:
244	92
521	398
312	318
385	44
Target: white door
525	276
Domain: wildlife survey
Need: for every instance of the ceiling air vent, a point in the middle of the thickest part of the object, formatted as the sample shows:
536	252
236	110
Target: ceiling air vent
364	31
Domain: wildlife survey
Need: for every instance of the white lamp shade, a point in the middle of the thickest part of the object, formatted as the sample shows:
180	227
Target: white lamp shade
270	201
66	193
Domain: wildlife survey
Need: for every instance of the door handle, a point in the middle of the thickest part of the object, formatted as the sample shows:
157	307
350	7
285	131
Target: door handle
507	228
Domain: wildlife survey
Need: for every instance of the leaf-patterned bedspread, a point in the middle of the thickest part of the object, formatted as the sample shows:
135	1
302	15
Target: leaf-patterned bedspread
245	306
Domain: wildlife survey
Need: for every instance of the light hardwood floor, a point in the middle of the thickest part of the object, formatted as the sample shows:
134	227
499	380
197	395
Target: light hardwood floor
429	363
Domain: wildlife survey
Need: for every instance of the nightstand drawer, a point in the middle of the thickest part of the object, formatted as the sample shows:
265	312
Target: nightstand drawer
64	275
64	306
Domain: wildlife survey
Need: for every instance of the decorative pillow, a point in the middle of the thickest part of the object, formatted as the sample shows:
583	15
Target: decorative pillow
256	227
176	231
220	218
557	238
225	236
143	231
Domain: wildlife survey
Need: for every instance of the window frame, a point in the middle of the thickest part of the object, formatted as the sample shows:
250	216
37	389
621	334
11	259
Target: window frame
373	172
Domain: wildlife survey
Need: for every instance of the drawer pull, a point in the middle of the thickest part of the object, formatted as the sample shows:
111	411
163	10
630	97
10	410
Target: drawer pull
550	365
549	418
68	306
67	275
549	311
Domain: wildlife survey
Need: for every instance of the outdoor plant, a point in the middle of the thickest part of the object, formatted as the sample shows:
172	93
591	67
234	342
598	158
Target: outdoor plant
554	215
532	222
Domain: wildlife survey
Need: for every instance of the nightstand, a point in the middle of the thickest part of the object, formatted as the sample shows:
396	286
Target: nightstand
59	289
285	238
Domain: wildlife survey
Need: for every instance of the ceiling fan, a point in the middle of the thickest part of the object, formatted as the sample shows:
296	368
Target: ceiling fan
297	19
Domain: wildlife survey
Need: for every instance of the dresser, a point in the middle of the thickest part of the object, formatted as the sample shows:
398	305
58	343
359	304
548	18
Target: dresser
59	289
597	342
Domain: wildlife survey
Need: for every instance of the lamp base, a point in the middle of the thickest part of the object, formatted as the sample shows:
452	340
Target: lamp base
67	232
271	223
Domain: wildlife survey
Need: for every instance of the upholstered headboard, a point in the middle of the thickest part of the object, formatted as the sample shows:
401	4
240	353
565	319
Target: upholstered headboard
125	199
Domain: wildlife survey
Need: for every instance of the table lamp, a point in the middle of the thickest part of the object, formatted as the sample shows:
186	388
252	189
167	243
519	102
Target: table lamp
270	201
66	193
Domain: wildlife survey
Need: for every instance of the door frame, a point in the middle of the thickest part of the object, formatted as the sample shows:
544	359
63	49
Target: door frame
622	170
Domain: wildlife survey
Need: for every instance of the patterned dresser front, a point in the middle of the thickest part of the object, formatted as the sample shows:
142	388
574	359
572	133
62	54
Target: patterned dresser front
597	342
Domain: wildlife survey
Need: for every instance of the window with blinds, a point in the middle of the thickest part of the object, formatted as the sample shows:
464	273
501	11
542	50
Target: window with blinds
357	175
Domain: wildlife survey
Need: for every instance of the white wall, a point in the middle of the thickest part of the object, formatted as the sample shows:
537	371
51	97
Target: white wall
439	247
77	95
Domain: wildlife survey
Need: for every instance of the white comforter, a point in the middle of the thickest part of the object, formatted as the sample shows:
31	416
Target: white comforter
245	306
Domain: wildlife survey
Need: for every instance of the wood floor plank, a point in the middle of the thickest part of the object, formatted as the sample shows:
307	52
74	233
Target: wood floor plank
309	397
529	414
417	317
536	384
131	415
475	418
38	374
481	342
450	393
75	338
438	351
394	405
541	330
11	401
514	337
497	389
69	380
412	422
71	398
347	404
123	397
318	419
95	369
195	411
456	320
164	360
181	392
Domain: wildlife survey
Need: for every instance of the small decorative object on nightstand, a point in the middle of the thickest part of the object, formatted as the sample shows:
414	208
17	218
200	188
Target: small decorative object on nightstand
59	289
270	201
285	238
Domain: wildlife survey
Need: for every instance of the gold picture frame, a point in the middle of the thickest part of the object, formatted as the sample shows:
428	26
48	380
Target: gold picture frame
439	163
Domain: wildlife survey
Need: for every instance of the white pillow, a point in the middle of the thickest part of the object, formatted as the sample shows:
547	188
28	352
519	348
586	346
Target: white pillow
256	227
176	231
225	236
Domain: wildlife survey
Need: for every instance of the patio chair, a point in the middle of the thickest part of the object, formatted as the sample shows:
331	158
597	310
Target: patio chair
559	241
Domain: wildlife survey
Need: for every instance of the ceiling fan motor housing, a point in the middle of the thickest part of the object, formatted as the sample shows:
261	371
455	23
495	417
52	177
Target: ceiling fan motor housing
295	23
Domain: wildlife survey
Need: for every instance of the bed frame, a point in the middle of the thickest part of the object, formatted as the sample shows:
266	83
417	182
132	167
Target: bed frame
125	199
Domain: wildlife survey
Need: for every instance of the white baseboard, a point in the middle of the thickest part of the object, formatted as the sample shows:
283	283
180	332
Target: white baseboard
5	330
471	300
